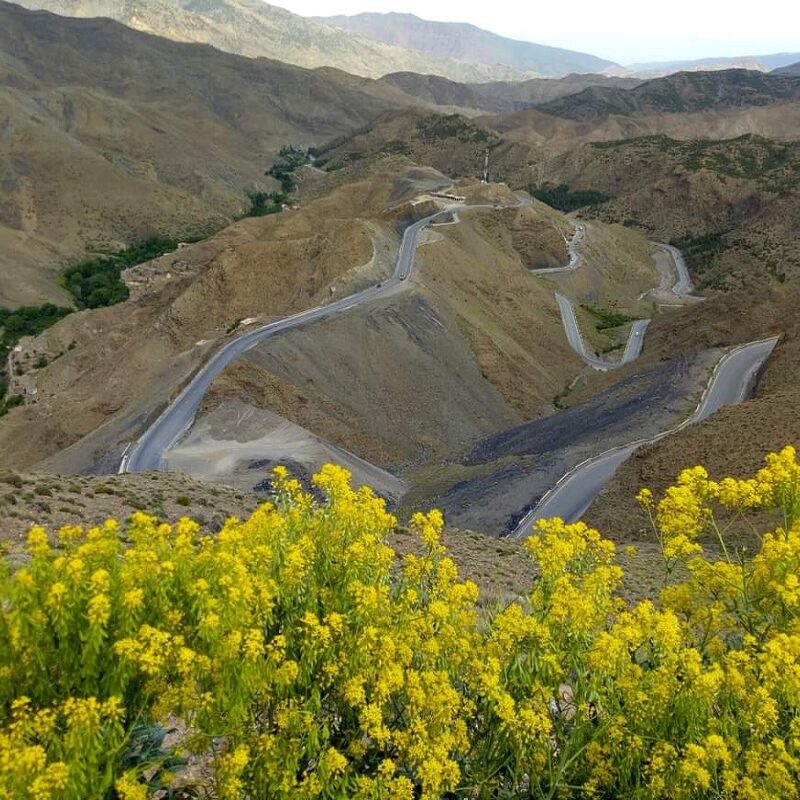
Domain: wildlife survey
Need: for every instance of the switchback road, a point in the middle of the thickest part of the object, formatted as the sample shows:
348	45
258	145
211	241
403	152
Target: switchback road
574	493
632	349
147	454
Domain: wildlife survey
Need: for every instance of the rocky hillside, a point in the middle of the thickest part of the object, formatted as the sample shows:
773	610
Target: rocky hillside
497	96
113	135
469	44
451	143
256	29
684	92
182	305
792	69
732	206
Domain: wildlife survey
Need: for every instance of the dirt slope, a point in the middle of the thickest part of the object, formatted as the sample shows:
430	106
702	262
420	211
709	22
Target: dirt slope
465	333
181	305
112	135
477	348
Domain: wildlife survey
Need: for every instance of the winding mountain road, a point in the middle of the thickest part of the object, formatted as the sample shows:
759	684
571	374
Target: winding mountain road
632	349
683	286
572	250
573	494
147	454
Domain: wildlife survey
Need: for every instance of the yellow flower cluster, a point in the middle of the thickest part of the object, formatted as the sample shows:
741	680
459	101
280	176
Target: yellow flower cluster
51	752
299	658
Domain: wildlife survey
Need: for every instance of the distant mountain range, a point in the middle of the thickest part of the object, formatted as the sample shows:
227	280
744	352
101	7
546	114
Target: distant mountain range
683	92
496	96
792	69
374	45
468	44
763	63
253	28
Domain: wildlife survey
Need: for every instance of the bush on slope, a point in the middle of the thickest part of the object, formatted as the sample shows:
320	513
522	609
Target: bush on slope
296	658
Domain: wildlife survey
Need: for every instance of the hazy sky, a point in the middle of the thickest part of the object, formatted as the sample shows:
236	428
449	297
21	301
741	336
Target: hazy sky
620	30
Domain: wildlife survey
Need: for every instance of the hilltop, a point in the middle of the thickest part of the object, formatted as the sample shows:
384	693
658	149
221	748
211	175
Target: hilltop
467	43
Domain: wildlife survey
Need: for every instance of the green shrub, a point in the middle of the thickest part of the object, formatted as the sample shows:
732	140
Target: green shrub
263	203
96	282
565	199
607	319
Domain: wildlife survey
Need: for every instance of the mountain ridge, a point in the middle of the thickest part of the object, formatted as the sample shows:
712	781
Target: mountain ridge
682	92
770	62
255	29
467	42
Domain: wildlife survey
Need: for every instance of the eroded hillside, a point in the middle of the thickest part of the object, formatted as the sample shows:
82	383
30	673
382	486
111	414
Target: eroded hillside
181	306
732	206
112	135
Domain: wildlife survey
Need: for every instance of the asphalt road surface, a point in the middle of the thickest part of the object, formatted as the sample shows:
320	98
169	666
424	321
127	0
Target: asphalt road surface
636	336
572	250
574	493
147	454
683	286
632	349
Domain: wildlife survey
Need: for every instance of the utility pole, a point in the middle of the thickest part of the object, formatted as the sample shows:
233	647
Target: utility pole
486	167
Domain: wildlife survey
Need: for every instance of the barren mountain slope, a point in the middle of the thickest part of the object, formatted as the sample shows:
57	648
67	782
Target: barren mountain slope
683	92
181	306
775	121
255	29
474	347
467	43
732	205
496	96
113	135
450	143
